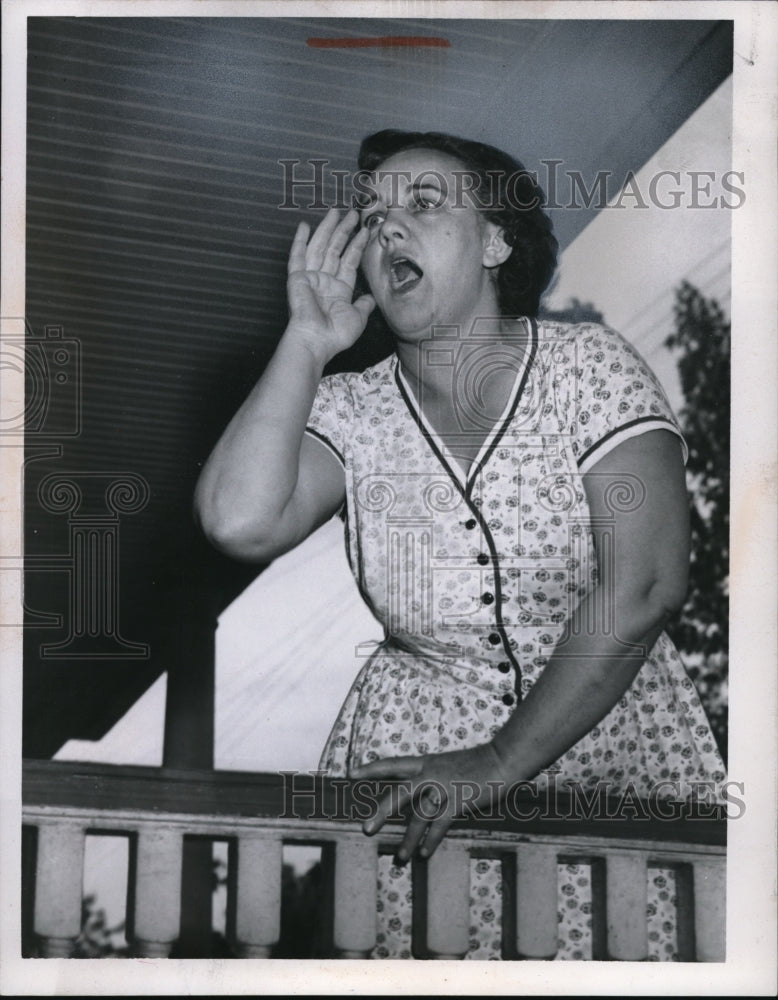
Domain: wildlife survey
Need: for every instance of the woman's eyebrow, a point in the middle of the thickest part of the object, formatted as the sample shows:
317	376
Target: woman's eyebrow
367	199
438	192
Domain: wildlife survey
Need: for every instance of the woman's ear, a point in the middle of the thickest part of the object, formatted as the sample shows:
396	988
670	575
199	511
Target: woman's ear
496	250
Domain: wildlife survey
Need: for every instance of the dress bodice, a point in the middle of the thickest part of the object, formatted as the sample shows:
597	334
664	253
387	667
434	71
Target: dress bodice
485	566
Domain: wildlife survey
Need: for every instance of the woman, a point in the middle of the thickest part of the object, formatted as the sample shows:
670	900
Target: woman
515	506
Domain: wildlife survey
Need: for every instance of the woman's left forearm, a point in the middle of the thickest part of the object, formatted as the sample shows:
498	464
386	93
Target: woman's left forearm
588	672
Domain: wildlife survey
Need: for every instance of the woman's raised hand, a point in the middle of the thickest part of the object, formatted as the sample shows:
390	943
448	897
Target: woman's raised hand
322	273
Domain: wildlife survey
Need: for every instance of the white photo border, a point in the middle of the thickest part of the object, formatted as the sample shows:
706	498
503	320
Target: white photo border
750	968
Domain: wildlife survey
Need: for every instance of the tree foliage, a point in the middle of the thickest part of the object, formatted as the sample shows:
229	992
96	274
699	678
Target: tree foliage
702	341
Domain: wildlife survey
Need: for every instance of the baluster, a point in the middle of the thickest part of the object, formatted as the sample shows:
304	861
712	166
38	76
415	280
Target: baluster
710	888
448	901
625	907
157	917
257	892
356	880
59	876
537	925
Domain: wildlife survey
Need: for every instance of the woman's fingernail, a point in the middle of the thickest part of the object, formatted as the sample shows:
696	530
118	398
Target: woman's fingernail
423	852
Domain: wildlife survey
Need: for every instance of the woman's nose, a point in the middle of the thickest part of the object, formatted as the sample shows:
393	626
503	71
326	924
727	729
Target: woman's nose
394	226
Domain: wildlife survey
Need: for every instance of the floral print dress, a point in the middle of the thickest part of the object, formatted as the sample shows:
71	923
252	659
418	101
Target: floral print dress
474	575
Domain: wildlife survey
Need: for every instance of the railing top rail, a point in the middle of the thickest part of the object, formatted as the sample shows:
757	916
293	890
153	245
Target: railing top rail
95	786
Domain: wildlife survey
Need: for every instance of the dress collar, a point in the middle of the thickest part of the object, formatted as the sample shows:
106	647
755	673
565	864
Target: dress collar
465	479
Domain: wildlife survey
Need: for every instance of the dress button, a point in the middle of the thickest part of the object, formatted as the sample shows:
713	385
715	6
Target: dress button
494	638
487	598
508	699
471	523
482	558
504	667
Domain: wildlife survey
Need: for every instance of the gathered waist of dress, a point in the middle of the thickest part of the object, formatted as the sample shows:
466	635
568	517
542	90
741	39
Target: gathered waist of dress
438	662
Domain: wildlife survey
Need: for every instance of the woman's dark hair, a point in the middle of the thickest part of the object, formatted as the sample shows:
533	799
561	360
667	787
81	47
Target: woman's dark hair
506	193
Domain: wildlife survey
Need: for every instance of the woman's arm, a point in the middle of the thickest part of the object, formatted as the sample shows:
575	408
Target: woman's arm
642	582
267	485
642	543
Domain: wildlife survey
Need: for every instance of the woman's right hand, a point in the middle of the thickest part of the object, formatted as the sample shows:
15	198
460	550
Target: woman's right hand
322	273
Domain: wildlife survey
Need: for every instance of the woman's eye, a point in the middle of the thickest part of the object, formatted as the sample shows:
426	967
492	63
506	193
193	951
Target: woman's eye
371	221
426	203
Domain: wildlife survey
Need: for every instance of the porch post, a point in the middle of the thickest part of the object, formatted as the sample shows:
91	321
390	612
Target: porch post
189	743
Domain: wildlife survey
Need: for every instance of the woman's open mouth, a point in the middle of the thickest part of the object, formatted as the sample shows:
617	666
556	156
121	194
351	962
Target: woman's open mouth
404	274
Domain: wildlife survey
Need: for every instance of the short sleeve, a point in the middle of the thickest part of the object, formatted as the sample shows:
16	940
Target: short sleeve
615	396
331	415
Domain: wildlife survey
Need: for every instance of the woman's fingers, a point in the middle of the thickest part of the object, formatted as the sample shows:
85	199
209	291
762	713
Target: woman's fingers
414	834
429	801
389	767
435	834
324	251
349	261
297	253
391	802
331	263
318	243
432	784
396	797
325	247
428	808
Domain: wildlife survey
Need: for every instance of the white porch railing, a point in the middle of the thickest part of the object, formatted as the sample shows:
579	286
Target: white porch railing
157	808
